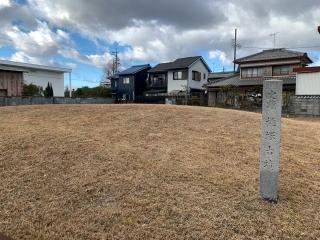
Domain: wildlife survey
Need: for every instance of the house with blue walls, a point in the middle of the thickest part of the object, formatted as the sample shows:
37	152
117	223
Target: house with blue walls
130	83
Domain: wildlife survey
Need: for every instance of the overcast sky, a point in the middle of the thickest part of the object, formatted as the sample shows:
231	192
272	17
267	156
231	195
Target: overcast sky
82	33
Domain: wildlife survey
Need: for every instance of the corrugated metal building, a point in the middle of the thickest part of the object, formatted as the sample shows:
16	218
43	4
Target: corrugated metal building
308	81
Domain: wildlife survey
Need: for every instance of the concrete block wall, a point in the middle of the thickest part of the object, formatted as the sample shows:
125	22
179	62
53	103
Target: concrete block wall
16	101
305	105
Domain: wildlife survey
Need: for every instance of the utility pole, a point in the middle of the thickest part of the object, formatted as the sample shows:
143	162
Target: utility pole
116	62
70	86
235	46
235	49
274	35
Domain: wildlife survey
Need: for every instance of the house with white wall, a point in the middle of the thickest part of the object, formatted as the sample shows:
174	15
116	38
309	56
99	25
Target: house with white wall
14	74
184	74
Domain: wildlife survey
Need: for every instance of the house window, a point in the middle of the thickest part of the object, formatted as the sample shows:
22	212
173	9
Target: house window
177	75
281	70
126	80
115	84
251	72
196	76
204	76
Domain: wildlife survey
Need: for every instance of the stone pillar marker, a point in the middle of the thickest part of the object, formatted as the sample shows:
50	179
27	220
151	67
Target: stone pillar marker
270	139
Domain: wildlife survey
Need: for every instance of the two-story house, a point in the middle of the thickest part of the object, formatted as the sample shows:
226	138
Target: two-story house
182	75
253	70
130	83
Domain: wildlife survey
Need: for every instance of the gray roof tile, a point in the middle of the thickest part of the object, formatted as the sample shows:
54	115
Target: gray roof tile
236	81
274	54
219	75
180	63
134	69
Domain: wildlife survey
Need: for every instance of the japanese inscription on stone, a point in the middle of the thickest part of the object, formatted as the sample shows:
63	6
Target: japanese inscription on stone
270	139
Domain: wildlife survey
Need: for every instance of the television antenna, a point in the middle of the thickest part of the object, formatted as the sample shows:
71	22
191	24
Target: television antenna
274	35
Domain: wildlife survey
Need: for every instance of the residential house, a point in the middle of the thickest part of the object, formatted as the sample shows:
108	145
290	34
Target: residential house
182	75
246	85
14	74
130	83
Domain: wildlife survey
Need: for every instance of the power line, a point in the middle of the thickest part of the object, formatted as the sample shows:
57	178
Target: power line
253	47
298	47
306	47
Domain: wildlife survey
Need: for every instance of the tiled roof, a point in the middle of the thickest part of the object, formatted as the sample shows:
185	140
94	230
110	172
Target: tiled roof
237	82
307	69
135	69
219	75
180	63
162	67
274	54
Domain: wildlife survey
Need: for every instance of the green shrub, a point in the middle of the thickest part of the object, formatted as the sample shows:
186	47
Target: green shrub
100	91
32	90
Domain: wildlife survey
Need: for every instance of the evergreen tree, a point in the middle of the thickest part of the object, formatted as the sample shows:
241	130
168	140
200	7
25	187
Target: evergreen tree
48	92
51	90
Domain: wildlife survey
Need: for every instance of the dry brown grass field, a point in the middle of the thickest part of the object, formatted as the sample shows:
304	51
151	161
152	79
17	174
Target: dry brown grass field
151	172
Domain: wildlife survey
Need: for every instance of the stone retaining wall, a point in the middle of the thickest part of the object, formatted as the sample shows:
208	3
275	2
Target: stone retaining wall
16	101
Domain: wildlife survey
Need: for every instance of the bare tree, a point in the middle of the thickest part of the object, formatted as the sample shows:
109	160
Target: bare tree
107	73
110	69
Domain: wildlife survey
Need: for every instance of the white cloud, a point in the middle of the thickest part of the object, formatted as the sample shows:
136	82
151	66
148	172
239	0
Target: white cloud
149	31
93	59
4	3
22	57
222	56
38	45
99	60
71	65
50	10
154	42
41	42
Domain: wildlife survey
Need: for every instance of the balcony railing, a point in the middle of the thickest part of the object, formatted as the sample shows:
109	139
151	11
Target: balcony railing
158	84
